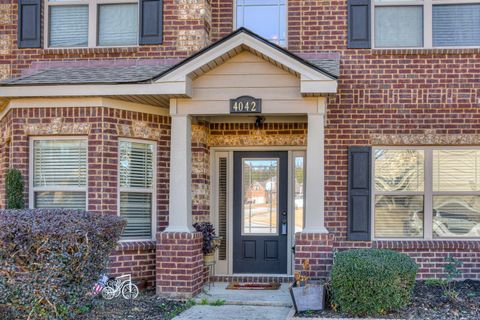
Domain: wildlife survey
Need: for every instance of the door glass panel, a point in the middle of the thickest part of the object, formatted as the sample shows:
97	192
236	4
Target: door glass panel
299	192
260	196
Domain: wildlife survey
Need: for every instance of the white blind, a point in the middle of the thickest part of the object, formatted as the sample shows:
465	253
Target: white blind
60	163
137	209
399	26
136	165
118	24
60	200
136	186
68	26
456	25
456	170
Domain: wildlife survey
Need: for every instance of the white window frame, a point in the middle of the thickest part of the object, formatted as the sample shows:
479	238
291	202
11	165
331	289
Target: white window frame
427	20
152	190
92	20
427	194
286	22
32	189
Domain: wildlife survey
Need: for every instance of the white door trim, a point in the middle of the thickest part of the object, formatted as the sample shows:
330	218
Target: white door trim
226	268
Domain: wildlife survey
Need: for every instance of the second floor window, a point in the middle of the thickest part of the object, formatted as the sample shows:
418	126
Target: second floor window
267	18
426	23
83	23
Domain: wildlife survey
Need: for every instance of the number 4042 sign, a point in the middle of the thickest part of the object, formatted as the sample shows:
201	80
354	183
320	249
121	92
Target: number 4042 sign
245	104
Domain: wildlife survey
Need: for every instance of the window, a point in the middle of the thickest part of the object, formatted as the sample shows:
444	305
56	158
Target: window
429	193
137	188
83	23
59	173
299	189
426	23
268	18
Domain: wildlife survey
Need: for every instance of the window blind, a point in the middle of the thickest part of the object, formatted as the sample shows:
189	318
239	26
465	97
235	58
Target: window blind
118	24
60	200
137	209
136	188
399	26
68	26
456	25
60	163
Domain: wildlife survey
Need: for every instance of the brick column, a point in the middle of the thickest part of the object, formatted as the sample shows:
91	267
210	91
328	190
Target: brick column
179	264
318	249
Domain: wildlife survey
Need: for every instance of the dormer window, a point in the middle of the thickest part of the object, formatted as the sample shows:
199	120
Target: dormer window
267	18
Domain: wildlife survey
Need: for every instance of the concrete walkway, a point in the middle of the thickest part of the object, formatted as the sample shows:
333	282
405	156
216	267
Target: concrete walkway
240	304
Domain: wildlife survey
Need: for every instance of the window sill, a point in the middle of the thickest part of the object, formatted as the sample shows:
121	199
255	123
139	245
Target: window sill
96	50
424	51
427	244
125	245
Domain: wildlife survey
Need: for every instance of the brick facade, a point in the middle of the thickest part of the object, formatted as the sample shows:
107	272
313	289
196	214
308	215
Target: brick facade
385	97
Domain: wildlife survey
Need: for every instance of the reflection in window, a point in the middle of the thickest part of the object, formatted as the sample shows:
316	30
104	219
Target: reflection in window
399	170
299	190
260	196
456	170
267	18
399	216
456	216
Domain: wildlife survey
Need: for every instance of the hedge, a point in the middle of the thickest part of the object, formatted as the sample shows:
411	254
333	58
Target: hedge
50	259
372	281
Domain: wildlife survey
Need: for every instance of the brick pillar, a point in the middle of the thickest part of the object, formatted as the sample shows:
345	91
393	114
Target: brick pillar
318	249
179	264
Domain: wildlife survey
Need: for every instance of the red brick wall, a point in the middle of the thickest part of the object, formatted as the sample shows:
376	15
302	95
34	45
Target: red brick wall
137	258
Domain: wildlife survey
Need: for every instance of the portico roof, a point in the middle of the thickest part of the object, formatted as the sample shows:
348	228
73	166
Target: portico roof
156	84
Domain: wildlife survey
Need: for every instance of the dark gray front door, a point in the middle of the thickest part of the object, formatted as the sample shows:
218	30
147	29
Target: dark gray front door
260	212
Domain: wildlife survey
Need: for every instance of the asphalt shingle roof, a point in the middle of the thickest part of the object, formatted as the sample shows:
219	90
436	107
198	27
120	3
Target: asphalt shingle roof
120	74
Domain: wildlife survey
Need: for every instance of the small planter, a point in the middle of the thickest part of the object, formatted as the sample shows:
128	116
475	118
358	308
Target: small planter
311	296
209	259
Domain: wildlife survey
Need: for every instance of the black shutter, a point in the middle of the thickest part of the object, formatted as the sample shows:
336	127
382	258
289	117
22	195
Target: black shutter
29	23
359	24
359	193
151	21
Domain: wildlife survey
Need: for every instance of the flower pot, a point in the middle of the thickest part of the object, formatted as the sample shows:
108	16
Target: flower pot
209	259
311	296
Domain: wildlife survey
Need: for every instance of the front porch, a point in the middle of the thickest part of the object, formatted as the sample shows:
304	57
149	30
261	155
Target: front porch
202	174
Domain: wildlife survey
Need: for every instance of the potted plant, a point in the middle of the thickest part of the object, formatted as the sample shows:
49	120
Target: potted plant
210	241
307	294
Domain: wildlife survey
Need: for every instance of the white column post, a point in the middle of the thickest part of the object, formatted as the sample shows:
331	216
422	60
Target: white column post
315	180
180	208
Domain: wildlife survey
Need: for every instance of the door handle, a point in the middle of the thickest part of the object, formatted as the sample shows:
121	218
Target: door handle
284	222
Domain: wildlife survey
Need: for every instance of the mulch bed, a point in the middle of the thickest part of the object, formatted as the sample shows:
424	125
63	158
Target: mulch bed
429	303
147	306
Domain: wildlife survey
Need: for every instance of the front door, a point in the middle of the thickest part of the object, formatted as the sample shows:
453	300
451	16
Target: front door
260	212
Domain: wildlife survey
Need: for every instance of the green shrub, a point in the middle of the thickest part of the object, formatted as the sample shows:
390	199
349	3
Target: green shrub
372	281
14	189
50	259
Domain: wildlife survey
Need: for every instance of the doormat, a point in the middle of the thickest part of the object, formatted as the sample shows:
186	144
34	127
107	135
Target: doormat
253	286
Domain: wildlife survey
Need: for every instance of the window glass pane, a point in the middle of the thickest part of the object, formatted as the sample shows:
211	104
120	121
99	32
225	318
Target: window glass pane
117	24
399	216
456	216
264	17
60	163
60	200
260	196
456	25
456	170
68	26
137	209
136	164
399	26
299	192
399	170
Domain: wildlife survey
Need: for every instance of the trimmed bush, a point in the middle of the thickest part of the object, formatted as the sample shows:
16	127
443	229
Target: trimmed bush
50	259
372	281
14	189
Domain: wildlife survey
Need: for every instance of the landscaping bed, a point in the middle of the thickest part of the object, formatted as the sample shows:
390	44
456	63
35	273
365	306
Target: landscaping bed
429	303
147	306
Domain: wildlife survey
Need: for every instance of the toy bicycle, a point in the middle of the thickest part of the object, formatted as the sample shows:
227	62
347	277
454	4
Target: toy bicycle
120	285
